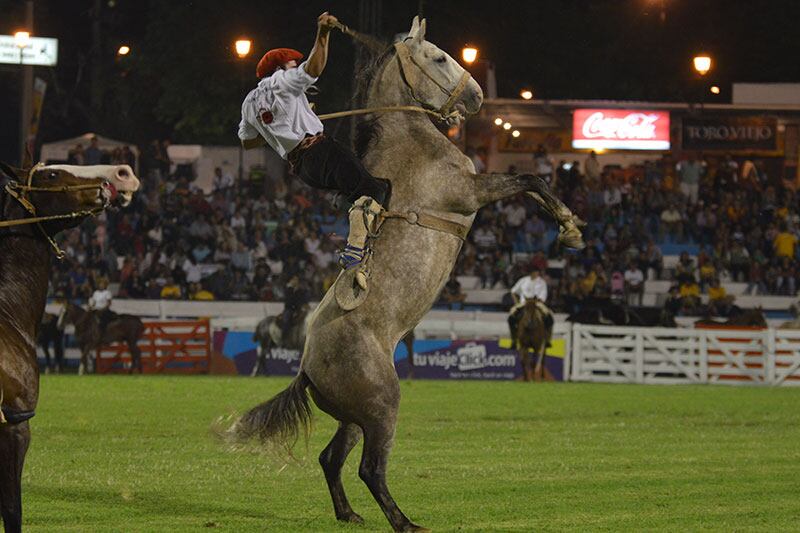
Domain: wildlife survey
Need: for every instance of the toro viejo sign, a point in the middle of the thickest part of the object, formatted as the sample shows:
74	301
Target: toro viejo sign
729	133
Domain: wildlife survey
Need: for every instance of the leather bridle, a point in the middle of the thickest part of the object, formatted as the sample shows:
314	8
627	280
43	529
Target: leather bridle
407	61
20	192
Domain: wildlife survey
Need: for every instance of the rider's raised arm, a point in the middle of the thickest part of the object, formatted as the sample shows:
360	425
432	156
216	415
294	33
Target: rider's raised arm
318	57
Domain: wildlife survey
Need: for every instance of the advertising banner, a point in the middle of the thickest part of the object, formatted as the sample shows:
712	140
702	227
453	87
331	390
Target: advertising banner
620	129
432	358
729	133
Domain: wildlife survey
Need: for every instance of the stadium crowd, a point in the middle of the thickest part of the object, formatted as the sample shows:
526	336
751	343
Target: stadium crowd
244	241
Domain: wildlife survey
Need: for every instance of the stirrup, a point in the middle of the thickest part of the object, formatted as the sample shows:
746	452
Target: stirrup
351	256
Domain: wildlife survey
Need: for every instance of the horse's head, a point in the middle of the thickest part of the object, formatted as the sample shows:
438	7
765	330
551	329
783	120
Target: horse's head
69	193
435	79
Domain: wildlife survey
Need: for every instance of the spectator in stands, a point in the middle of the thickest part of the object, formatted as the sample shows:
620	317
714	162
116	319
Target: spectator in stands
738	261
634	284
674	302
592	166
543	164
452	294
672	223
93	154
76	156
690	171
785	243
171	290
690	296
719	302
197	292
222	182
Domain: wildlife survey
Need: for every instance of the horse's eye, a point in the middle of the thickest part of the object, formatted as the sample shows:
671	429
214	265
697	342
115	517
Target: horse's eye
440	59
52	175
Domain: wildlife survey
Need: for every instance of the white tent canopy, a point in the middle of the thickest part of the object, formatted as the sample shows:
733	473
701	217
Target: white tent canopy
59	150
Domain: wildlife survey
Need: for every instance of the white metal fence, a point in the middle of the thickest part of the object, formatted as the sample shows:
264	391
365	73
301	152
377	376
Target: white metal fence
615	354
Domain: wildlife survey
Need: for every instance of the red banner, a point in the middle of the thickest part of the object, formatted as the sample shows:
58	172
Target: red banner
624	129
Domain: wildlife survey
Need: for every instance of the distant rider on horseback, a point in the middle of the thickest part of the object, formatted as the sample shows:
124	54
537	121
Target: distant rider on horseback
532	287
100	303
277	113
296	298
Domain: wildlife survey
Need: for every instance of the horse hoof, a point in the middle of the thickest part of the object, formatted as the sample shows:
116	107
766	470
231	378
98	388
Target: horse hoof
571	238
415	527
352	517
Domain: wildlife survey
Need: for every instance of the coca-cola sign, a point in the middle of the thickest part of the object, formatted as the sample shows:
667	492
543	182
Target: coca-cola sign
729	133
622	129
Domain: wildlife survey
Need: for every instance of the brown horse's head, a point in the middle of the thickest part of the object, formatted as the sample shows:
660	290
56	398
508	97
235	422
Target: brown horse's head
61	190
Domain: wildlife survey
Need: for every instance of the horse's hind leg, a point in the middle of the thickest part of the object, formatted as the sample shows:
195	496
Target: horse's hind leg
377	443
332	459
14	440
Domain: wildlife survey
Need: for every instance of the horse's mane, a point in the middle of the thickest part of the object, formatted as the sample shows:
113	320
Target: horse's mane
367	128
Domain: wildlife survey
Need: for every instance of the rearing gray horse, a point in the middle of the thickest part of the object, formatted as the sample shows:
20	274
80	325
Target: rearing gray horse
348	364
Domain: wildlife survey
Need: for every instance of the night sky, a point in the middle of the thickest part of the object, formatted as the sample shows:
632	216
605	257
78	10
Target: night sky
608	49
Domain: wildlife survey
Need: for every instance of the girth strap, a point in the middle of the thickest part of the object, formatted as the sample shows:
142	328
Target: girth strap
427	220
11	416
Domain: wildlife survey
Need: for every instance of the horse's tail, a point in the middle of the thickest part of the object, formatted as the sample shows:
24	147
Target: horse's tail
279	419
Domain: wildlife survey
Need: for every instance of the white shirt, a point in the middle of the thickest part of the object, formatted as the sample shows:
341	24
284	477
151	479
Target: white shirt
101	299
527	289
634	277
283	95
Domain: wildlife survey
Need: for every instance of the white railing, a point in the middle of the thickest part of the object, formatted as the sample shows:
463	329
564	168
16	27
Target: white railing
614	354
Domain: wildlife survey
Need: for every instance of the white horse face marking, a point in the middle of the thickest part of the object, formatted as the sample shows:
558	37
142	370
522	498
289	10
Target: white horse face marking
444	69
121	177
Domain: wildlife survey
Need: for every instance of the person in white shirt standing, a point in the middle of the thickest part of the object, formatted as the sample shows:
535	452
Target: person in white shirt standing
532	287
100	302
277	113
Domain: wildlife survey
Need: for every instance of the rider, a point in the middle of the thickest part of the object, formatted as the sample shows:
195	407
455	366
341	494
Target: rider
532	287
277	113
101	303
296	297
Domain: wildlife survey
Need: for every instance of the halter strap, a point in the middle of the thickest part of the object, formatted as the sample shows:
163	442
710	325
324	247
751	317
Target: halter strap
19	192
406	59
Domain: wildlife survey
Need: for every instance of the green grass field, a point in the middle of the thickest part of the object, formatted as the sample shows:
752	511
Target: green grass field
135	454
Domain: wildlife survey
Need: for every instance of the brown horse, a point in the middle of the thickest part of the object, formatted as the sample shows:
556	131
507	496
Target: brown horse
123	328
532	334
750	317
34	206
348	361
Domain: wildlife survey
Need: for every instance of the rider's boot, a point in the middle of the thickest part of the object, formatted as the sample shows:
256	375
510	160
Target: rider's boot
363	216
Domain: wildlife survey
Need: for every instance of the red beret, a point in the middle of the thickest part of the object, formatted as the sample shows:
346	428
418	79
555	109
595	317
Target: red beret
274	59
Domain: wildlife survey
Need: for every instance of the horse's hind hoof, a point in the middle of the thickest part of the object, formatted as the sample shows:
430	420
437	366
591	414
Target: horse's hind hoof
352	517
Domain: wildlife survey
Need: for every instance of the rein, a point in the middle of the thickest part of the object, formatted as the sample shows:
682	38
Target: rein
406	60
19	192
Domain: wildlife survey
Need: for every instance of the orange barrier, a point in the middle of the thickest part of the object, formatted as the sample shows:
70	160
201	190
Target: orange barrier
168	347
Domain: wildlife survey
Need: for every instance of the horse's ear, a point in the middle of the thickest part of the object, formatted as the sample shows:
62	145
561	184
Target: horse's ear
414	27
421	33
11	172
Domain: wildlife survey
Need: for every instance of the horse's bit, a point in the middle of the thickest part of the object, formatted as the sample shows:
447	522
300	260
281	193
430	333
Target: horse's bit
20	193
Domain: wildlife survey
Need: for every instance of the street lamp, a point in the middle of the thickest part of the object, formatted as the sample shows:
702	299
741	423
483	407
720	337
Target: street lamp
515	133
507	126
242	47
526	94
498	121
469	54
22	40
714	89
124	50
702	64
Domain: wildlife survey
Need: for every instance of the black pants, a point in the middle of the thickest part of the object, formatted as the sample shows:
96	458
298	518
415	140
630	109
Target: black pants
328	165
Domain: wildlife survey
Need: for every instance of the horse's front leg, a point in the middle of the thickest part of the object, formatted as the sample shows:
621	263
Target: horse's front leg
492	187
